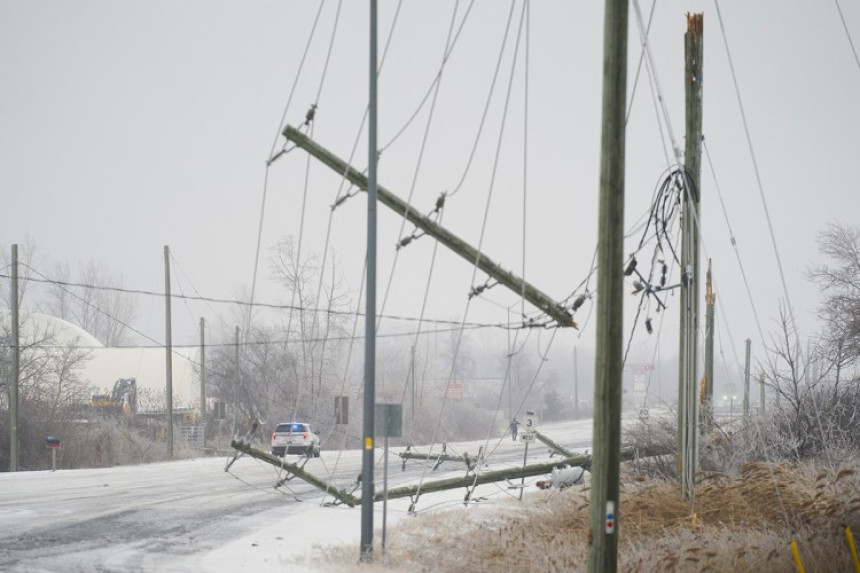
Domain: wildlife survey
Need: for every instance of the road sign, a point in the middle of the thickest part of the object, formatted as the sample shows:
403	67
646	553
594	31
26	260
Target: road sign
527	436
454	389
388	420
529	423
341	409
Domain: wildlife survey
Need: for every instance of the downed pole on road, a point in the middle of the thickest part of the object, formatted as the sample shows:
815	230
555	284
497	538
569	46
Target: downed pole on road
471	462
557	449
507	474
341	495
472	480
469	481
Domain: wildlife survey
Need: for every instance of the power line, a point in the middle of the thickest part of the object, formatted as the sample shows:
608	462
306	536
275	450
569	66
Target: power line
262	343
86	302
214	300
487	104
771	230
440	203
848	34
436	78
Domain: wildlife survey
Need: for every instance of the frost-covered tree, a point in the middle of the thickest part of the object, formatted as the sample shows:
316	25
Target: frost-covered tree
839	280
101	307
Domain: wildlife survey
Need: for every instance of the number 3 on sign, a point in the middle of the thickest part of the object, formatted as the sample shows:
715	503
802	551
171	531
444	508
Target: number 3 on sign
530	421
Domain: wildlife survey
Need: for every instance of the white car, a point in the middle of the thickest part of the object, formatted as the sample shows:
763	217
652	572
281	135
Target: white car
295	438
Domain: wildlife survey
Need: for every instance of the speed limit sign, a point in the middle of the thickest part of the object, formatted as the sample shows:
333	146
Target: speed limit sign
530	423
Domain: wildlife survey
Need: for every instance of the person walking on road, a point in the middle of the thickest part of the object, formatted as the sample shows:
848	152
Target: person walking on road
514	426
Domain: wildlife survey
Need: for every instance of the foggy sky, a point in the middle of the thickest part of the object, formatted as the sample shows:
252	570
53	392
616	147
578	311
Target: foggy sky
127	126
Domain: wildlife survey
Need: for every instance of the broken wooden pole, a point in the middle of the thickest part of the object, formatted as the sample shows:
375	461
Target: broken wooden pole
340	495
518	285
470	480
485	477
437	458
553	446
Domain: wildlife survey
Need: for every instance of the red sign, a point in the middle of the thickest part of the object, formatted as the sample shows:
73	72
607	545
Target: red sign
454	389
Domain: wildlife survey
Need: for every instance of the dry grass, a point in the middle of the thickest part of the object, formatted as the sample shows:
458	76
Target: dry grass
734	524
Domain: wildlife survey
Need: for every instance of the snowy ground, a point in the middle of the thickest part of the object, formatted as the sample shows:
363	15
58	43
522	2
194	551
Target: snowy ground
191	514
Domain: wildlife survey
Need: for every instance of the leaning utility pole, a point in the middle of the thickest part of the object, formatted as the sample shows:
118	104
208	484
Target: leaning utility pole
14	375
687	426
168	344
366	554
518	285
707	398
605	469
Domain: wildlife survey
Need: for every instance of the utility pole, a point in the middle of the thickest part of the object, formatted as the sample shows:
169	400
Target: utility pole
689	297
707	413
516	284
412	369
747	379
370	310
575	384
761	393
203	379
15	347
168	344
236	385
604	509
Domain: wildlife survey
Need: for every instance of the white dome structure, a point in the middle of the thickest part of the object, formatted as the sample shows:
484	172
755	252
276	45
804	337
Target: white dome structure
105	365
63	332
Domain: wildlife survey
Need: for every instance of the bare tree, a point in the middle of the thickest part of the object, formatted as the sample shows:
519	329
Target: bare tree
315	315
839	281
287	369
51	393
101	307
60	300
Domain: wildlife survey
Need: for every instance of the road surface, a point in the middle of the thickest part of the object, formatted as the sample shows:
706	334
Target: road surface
174	516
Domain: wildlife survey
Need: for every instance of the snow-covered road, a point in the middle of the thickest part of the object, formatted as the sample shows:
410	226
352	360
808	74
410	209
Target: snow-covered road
191	514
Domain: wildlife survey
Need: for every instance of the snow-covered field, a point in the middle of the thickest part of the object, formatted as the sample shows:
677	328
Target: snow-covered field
194	515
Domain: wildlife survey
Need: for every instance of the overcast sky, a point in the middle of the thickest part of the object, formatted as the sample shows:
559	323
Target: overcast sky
127	126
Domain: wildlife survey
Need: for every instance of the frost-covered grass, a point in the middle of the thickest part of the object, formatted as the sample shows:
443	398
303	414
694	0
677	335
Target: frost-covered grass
741	523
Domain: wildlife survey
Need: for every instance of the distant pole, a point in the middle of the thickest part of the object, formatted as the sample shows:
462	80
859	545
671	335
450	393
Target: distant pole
15	373
508	380
236	385
575	384
707	413
168	344
203	378
370	311
761	392
604	509
747	379
413	391
689	297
